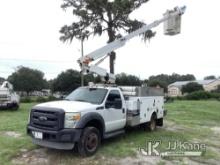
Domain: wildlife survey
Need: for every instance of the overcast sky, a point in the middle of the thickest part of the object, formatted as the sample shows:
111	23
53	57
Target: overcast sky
29	36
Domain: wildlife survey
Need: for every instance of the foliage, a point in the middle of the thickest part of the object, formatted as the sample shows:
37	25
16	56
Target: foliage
168	79
211	77
191	87
99	16
27	79
41	99
67	81
52	98
163	80
198	95
124	79
25	99
156	83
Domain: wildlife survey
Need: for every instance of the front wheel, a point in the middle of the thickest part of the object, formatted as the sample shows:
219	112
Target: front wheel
89	141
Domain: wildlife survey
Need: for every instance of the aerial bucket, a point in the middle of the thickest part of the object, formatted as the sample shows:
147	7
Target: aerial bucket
172	26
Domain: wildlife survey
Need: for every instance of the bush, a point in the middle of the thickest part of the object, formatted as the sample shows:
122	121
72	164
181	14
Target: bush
202	95
168	99
51	98
41	99
192	87
180	98
25	99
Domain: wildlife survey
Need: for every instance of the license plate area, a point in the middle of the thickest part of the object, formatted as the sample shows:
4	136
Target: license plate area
37	135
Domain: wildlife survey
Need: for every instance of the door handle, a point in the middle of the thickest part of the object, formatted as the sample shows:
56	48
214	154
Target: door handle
123	110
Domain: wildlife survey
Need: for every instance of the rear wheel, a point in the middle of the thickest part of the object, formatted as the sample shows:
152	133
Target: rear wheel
89	142
153	124
16	106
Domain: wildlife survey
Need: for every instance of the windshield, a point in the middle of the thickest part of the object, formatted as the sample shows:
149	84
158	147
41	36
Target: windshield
91	95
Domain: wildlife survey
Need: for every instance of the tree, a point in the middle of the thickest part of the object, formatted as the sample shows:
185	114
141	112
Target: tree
27	79
98	16
66	81
168	79
192	87
211	77
158	83
124	79
70	80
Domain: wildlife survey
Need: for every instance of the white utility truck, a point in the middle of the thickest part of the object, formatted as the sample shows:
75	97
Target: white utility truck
8	97
95	112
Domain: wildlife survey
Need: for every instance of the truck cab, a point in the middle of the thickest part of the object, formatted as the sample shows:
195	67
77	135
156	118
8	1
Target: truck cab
86	116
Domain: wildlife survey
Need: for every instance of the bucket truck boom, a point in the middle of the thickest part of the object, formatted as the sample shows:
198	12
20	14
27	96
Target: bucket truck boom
171	27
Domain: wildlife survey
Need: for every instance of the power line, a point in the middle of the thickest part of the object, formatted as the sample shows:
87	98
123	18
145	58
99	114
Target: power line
35	60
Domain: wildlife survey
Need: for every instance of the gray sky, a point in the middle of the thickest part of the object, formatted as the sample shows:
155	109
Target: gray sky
29	36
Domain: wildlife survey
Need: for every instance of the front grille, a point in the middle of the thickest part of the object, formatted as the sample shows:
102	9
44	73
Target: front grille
48	119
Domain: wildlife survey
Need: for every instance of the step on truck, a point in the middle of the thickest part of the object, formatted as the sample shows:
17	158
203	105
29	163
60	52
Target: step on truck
93	113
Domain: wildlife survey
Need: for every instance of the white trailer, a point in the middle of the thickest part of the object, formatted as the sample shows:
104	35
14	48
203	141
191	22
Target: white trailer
8	97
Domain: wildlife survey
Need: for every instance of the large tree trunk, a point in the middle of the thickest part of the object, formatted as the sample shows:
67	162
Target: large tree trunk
111	36
112	62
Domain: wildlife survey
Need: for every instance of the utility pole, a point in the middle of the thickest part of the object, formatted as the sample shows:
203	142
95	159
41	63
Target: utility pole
82	54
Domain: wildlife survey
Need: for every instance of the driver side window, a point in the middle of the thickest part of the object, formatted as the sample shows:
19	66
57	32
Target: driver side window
114	100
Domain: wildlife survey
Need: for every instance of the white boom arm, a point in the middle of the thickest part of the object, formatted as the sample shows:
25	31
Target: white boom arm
103	51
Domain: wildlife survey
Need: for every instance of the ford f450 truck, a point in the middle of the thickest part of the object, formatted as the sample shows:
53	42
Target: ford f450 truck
90	114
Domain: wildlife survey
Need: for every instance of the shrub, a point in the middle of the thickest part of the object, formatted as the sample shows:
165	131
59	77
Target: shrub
25	99
41	99
192	87
199	95
168	99
180	98
51	98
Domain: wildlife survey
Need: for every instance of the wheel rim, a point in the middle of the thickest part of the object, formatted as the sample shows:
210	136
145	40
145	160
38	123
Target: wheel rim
91	142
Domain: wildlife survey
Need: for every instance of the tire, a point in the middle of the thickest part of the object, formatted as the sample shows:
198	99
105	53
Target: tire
15	106
152	125
89	142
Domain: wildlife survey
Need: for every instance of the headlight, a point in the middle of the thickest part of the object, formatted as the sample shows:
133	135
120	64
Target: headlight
71	119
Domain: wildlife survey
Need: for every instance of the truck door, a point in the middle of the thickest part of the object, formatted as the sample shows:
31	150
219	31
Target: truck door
114	113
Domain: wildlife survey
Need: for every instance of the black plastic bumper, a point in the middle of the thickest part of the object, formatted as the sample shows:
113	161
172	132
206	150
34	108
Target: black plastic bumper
61	136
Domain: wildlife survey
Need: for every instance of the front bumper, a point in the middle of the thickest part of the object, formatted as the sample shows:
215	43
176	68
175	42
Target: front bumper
62	139
6	104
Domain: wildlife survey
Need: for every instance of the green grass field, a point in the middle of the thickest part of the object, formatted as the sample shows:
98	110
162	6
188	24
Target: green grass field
192	121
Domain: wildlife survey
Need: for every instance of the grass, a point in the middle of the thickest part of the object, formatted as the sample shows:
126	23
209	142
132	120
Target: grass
196	117
15	121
